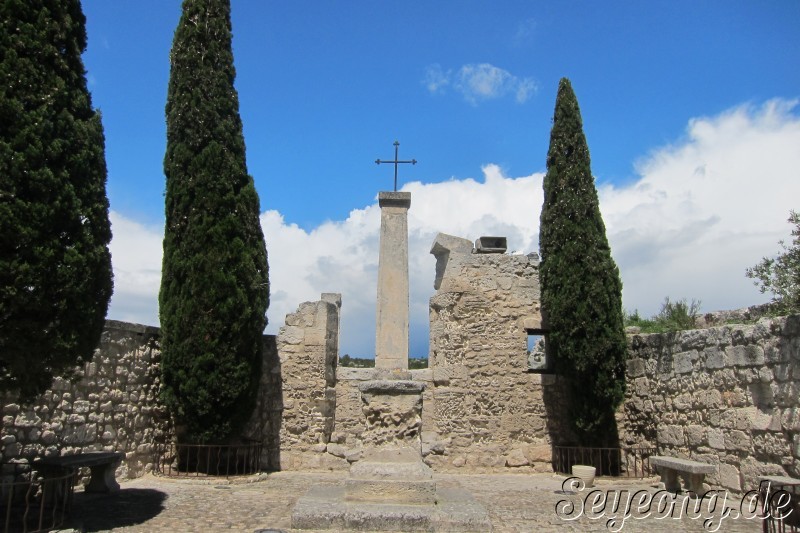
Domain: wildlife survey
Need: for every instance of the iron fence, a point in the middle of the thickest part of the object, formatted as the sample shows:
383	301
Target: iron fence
31	503
198	460
619	462
780	506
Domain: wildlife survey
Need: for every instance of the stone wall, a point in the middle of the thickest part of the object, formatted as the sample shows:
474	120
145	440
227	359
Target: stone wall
113	407
308	347
362	422
265	423
727	395
485	410
481	409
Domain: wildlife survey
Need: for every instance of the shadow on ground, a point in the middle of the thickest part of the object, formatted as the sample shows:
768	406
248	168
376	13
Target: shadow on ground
128	507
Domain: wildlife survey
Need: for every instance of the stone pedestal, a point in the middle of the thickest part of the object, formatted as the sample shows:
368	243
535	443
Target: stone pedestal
393	412
391	329
390	488
391	475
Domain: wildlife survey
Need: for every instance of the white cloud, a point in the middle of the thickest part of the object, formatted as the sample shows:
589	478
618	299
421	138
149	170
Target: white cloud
343	256
477	82
707	208
702	211
136	258
436	79
486	82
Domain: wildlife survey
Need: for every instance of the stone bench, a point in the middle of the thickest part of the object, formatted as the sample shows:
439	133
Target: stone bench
783	514
692	472
103	465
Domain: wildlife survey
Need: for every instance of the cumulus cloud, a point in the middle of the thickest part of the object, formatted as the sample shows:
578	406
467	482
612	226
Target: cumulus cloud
343	256
136	258
702	210
478	82
707	207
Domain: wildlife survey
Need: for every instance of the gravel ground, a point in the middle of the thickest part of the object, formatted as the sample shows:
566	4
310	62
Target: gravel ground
516	503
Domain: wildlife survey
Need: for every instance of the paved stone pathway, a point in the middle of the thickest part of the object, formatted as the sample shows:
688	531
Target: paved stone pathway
516	503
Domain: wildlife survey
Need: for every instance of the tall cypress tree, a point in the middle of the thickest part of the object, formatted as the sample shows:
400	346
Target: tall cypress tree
214	285
55	267
581	287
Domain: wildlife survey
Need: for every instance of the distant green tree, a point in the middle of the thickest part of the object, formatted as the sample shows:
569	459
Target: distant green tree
674	316
55	267
416	363
356	362
581	287
781	275
214	286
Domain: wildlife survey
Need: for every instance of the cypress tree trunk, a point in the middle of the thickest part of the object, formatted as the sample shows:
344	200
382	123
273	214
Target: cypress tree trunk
55	267
581	287
214	285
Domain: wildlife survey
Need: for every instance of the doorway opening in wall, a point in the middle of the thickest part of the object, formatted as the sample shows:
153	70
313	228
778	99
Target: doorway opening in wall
538	358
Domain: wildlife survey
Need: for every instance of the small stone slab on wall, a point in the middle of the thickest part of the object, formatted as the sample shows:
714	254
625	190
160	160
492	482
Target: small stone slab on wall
727	395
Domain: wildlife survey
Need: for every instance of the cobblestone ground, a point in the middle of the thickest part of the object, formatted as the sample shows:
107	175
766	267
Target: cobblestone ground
516	503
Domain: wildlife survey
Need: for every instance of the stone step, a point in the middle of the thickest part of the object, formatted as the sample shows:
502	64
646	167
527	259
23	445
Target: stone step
402	464
390	491
325	507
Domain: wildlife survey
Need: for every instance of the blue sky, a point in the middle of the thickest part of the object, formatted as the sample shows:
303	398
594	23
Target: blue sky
468	88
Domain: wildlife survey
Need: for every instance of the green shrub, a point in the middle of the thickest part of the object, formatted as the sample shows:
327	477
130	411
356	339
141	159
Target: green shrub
416	363
356	362
673	316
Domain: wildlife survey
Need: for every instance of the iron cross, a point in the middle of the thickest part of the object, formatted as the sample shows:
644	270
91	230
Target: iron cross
396	162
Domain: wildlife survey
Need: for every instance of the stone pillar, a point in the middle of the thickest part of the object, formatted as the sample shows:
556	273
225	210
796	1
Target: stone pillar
391	324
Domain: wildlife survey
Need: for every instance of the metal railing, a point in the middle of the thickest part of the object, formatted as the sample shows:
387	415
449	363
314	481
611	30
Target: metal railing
619	462
30	503
780	506
199	460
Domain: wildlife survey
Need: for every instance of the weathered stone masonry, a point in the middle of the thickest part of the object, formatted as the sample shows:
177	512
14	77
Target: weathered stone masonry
727	395
113	407
481	409
308	349
486	408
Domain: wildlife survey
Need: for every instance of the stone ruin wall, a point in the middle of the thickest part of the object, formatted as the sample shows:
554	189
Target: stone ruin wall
265	422
308	347
481	408
487	411
113	407
727	395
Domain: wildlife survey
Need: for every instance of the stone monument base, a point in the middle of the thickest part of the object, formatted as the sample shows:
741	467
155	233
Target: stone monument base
326	507
390	489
